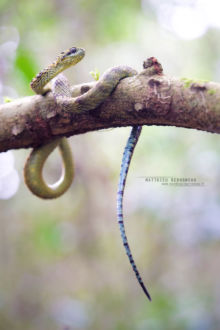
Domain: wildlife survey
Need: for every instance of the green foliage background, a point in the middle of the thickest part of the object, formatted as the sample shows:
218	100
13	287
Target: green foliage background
62	262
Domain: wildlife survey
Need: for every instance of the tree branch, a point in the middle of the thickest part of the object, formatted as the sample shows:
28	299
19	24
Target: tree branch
138	100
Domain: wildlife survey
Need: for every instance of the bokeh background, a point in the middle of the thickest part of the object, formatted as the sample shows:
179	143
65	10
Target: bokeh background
62	262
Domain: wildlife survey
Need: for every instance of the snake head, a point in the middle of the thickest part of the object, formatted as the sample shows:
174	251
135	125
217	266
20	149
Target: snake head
71	56
66	59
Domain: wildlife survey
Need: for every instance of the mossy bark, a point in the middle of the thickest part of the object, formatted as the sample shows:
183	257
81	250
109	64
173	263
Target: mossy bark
138	100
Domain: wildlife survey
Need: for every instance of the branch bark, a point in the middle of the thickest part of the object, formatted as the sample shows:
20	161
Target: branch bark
139	100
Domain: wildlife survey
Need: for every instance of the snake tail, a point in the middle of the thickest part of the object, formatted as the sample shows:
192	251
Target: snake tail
126	159
34	167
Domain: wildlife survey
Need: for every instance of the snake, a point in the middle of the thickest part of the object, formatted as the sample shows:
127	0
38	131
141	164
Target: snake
33	170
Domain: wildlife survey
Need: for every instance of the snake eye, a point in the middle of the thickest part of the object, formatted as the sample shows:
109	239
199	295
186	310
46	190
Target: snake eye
72	50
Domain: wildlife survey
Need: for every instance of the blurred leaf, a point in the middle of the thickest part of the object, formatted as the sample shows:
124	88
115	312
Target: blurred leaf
120	22
26	67
3	3
25	63
46	237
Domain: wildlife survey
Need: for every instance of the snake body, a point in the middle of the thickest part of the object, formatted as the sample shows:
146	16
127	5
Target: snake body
88	101
33	170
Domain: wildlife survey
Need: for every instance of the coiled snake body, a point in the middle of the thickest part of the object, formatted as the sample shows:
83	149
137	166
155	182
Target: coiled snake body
88	101
34	165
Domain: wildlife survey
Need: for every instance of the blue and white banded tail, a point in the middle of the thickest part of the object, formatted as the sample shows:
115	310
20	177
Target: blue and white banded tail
126	159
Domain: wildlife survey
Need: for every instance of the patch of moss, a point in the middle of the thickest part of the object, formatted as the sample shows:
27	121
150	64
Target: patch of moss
211	91
95	74
7	99
188	82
